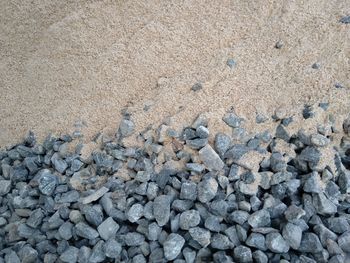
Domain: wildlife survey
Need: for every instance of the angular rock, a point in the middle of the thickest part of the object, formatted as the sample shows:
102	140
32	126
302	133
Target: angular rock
126	127
207	189
210	158
133	239
112	248
201	235
323	205
292	234
243	254
98	253
161	209
85	231
135	213
276	243
70	255
222	143
5	187
188	219
47	182
256	240
344	241
220	241
259	218
310	243
188	191
95	196
108	228
173	246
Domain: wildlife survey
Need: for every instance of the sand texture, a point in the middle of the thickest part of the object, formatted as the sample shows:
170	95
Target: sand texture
68	62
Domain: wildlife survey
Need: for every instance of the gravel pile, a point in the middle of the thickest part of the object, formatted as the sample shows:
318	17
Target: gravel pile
243	198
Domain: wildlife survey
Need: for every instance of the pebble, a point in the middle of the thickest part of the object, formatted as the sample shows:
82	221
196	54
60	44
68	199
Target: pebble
65	230
279	44
173	246
232	120
197	86
231	63
210	158
345	19
316	65
319	140
126	127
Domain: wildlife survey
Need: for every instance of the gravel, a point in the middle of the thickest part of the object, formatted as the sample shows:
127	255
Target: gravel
264	198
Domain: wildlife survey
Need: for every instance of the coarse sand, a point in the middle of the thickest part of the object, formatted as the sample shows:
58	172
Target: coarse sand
71	64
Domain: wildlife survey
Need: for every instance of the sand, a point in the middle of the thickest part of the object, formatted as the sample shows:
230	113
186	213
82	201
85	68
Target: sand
69	62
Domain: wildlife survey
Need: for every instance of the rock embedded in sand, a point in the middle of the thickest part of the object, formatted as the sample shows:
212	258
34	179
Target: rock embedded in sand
210	158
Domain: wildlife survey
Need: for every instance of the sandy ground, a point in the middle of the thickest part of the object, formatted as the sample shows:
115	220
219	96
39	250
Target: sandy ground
63	62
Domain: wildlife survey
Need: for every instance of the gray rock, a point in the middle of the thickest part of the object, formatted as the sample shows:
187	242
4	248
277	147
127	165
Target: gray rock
188	219
338	224
135	213
108	228
279	44
5	187
69	197
294	212
195	167
276	243
311	155
152	190
201	235
98	253
202	132
95	196
222	143
292	234
12	257
181	205
231	232
333	248
126	127
260	118
154	231
344	241
337	259
277	162
259	218
197	86
220	241
243	254
85	231
70	255
324	234
55	221
133	239
280	177
323	205
94	214
260	257
112	248
319	140
282	133
84	254
47	182
310	243
197	143
344	180
312	183
65	230
59	164
232	120
189	255
173	246
188	191
239	216
256	240
210	158
35	218
213	223
237	151
345	19
161	209
207	190
27	254
241	233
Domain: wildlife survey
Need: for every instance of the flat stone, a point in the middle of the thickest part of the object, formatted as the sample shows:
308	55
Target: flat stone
85	231
259	218
135	213
108	228
173	246
207	189
310	243
70	255
201	235
161	209
292	234
243	254
276	243
95	196
188	219
210	158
